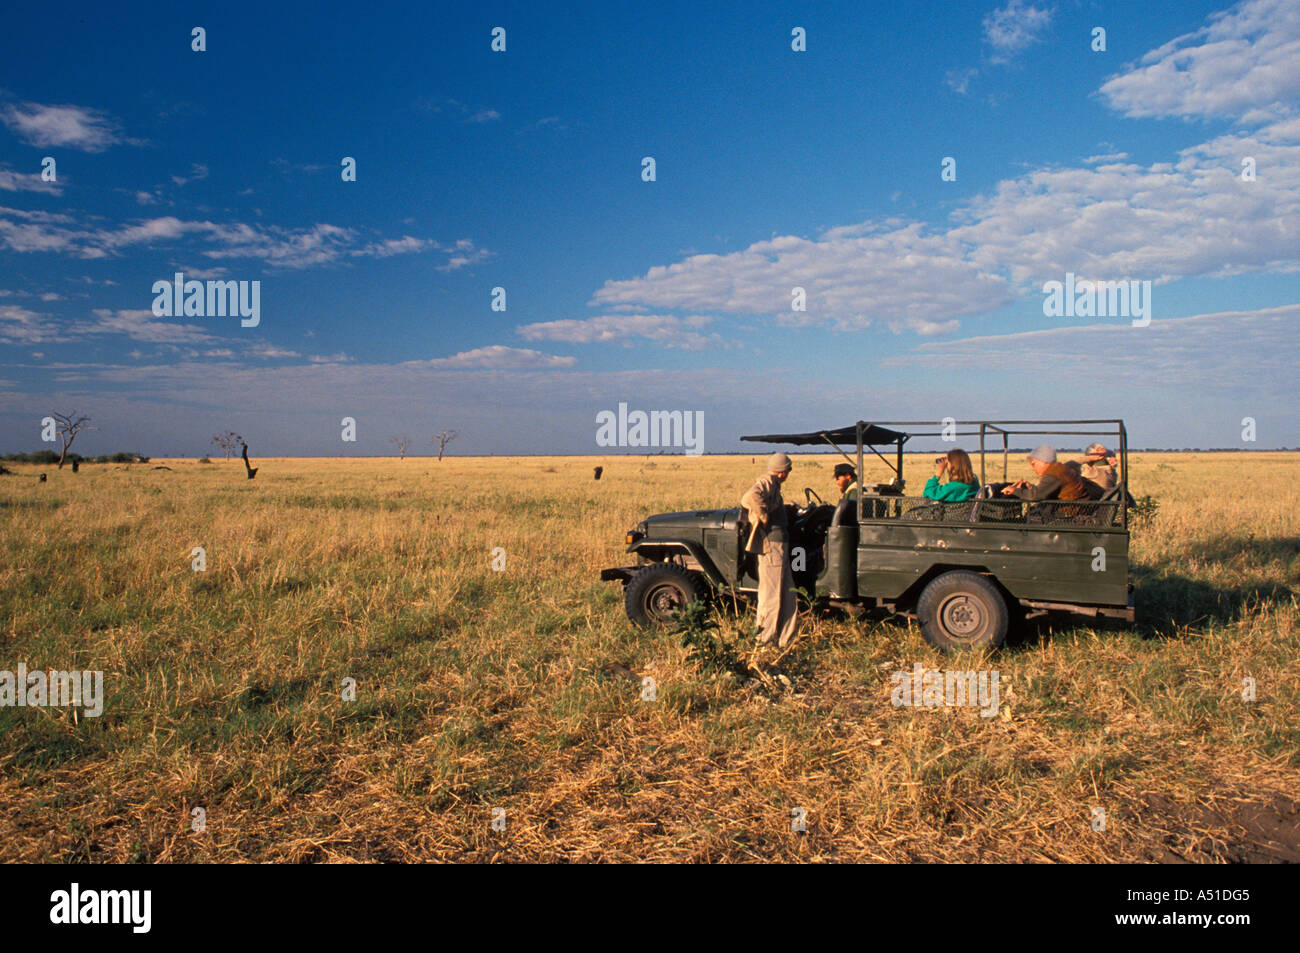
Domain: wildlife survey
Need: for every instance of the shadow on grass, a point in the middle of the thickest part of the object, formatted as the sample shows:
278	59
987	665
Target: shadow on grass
1168	606
1228	549
1169	602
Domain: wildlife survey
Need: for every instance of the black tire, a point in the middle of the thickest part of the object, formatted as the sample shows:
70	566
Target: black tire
657	591
963	610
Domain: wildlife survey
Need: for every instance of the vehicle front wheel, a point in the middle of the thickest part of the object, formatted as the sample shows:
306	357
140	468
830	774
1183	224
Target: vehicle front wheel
657	591
963	610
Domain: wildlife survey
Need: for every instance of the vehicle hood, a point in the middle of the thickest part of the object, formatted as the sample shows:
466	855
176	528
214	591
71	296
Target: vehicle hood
663	524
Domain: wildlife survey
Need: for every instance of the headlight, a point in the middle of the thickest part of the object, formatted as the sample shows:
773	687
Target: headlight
633	536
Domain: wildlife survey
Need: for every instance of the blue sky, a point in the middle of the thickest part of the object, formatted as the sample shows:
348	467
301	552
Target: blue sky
522	170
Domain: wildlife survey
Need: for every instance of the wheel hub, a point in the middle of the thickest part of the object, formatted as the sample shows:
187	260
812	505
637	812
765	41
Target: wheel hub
961	615
663	601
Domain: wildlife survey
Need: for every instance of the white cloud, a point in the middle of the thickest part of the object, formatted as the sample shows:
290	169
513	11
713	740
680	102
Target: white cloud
1244	64
140	325
463	254
959	80
1231	350
22	230
1194	216
394	246
148	232
455	107
892	271
669	330
198	172
11	181
21	326
1014	27
274	245
76	127
546	122
270	352
1191	217
499	356
203	274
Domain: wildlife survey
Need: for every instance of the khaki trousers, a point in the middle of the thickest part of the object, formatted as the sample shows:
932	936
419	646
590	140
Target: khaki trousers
778	619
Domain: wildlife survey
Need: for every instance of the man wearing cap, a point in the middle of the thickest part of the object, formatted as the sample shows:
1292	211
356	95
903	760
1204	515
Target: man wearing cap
778	620
1056	481
846	478
1100	466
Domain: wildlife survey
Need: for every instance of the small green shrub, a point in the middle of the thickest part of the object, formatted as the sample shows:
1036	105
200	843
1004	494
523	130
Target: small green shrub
699	632
1143	511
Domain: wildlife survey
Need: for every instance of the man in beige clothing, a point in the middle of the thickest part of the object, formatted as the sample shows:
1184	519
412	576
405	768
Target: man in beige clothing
769	539
1100	466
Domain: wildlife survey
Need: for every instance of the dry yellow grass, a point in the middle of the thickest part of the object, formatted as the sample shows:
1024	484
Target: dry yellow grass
480	689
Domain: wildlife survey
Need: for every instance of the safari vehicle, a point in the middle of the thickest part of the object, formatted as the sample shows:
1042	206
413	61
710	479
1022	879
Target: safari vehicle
966	571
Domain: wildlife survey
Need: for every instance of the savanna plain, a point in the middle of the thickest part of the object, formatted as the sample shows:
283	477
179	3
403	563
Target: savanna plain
520	688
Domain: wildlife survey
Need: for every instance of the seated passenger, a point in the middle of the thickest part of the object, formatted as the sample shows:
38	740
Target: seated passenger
1056	481
1095	490
961	485
847	480
1100	466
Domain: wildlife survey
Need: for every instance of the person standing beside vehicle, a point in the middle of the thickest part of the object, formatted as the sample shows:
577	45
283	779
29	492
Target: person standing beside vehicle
961	485
769	540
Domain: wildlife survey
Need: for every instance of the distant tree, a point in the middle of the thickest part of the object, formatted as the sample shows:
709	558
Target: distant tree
444	437
252	470
69	425
402	442
228	442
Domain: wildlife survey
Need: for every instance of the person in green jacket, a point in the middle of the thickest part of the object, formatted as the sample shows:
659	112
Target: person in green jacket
846	478
961	485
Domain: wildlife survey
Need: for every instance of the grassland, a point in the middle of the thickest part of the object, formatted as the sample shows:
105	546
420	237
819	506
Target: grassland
520	689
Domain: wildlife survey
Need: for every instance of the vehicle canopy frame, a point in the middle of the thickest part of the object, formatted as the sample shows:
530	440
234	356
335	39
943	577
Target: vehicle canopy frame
870	435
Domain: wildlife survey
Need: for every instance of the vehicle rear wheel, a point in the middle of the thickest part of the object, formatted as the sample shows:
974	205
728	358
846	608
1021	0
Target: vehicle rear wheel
963	610
657	591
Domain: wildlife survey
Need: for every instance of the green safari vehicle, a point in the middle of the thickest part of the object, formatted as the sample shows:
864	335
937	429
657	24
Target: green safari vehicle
964	570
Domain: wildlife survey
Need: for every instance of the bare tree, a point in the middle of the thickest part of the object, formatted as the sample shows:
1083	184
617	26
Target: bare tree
402	442
228	442
442	438
69	426
252	470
